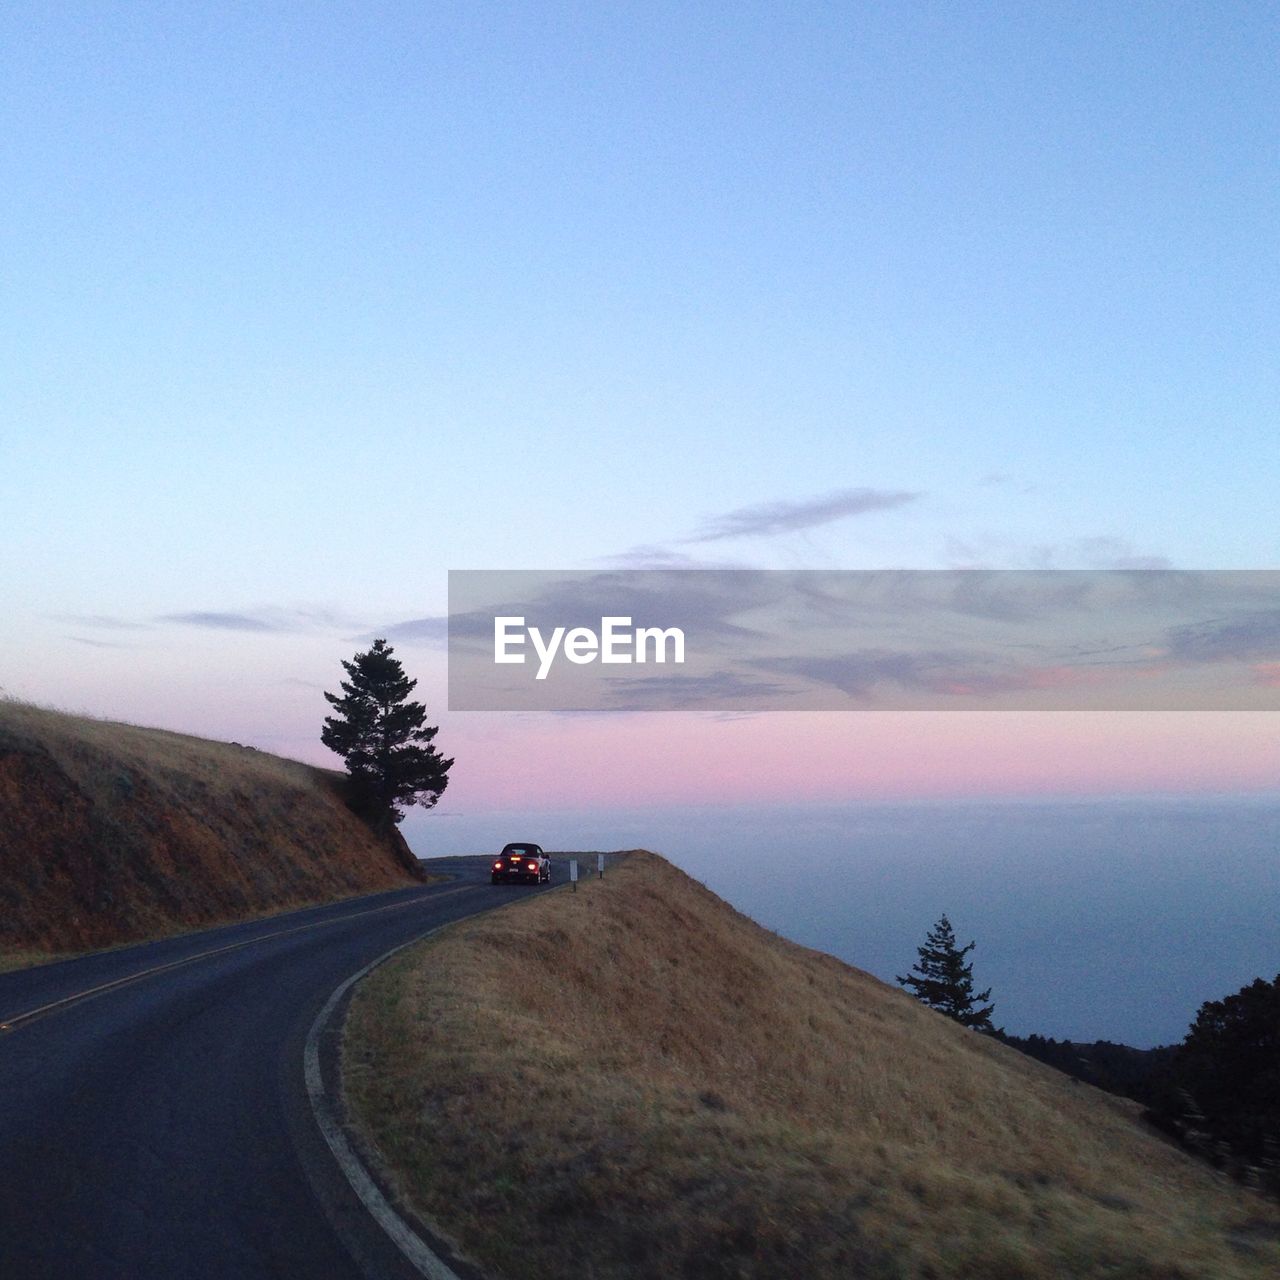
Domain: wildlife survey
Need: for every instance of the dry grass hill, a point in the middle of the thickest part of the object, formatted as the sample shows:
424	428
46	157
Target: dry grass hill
637	1081
110	833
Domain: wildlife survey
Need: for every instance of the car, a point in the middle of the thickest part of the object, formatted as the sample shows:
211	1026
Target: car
524	863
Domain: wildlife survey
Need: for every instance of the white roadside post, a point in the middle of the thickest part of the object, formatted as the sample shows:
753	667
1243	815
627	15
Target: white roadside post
573	873
600	865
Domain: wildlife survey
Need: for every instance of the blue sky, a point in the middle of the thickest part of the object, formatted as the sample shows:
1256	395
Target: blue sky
305	306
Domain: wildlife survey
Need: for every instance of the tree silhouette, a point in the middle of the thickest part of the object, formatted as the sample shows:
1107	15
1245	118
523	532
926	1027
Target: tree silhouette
1223	1085
942	980
383	737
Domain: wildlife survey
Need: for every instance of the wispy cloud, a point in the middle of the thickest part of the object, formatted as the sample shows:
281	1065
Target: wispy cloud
998	552
98	644
656	556
1003	480
958	674
684	692
431	630
267	618
1253	637
768	519
215	621
1098	553
101	620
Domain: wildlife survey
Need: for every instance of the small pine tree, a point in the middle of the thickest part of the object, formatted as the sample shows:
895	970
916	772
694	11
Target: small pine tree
383	737
942	980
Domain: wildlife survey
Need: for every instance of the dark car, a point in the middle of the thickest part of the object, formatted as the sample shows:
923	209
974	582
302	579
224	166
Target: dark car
523	863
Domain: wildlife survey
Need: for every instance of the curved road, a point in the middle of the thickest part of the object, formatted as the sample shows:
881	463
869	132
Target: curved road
160	1127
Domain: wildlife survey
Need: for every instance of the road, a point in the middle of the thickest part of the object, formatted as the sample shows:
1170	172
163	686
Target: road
160	1127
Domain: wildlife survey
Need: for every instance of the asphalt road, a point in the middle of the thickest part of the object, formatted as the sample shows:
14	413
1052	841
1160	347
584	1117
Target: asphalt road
160	1127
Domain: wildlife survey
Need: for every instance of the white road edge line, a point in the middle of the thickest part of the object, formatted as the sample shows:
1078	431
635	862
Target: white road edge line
407	1240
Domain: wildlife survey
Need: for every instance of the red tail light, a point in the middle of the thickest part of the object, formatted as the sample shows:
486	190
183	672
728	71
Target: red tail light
533	866
497	866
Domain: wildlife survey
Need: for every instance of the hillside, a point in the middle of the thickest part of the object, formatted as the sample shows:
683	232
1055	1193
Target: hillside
110	833
636	1080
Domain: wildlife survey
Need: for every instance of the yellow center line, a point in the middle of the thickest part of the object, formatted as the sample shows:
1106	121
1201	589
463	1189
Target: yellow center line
21	1019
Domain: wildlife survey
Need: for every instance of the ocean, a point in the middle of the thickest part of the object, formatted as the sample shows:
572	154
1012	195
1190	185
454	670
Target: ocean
1099	919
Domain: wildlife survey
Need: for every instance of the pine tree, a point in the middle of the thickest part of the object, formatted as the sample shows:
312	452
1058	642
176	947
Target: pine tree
383	737
942	980
1229	1066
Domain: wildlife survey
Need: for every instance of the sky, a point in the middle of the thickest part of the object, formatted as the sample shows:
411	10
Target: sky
304	307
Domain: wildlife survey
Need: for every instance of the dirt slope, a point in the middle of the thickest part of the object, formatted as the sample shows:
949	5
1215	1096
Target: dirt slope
110	833
636	1081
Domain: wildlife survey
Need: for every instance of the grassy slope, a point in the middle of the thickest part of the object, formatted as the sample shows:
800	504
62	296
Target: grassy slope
635	1080
110	833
